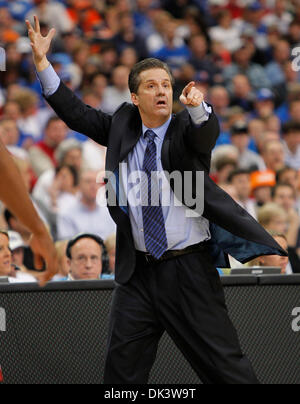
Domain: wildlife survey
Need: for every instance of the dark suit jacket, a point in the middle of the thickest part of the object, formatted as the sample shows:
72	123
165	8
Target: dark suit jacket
186	148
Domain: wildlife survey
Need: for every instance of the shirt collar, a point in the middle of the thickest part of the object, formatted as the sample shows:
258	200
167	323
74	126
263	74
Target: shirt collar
161	131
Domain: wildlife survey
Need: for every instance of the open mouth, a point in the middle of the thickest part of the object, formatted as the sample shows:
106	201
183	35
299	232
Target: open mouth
161	103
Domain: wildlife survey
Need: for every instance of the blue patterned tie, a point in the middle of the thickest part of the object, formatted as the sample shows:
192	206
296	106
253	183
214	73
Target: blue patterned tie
154	224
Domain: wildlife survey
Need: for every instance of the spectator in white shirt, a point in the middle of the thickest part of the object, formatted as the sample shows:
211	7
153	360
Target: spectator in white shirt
226	32
85	215
52	13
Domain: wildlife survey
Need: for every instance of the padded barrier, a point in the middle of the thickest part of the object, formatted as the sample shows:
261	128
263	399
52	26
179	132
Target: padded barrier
58	334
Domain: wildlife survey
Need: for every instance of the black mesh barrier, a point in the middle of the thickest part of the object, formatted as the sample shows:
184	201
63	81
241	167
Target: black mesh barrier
58	334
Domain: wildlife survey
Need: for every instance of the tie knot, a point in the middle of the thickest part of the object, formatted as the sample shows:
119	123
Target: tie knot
150	135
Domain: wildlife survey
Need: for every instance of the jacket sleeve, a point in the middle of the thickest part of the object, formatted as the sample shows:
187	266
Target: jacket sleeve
79	116
202	138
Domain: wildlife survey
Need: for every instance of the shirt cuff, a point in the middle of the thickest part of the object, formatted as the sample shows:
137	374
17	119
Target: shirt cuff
200	114
49	81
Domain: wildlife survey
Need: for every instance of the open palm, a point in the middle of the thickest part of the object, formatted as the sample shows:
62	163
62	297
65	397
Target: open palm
40	44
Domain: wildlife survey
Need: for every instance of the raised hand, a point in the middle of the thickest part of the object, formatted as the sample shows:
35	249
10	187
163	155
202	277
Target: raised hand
191	96
40	44
44	254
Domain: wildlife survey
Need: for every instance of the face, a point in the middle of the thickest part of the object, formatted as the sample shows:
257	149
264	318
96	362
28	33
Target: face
276	260
56	132
274	156
73	158
278	224
5	256
154	97
89	186
263	194
11	129
120	77
290	177
86	261
292	140
264	108
65	179
285	197
242	185
295	111
241	86
240	141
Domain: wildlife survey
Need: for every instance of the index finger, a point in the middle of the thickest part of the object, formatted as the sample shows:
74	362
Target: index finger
37	24
29	26
188	88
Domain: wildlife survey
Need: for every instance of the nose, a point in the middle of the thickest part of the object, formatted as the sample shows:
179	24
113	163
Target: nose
89	263
161	90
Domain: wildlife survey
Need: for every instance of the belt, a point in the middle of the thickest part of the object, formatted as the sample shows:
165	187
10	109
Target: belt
147	258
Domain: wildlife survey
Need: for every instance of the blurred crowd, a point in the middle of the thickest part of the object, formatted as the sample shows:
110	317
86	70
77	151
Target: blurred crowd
244	55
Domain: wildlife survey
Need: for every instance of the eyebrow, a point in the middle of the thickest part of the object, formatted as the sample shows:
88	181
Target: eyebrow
153	80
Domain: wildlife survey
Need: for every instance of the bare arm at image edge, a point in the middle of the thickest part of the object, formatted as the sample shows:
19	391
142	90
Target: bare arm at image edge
14	194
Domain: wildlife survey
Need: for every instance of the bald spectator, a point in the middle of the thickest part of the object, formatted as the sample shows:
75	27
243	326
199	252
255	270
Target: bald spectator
85	214
119	92
273	155
42	155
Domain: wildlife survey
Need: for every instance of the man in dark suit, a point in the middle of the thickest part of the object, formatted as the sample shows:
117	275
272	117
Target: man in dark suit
166	257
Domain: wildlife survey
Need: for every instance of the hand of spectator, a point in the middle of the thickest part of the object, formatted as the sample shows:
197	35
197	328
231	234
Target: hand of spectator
44	253
191	96
40	44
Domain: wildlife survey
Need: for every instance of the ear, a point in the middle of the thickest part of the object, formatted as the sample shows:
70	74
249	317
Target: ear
135	99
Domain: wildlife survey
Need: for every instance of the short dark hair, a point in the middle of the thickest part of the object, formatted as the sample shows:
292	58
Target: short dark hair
235	173
283	171
283	185
134	80
4	232
290	127
72	170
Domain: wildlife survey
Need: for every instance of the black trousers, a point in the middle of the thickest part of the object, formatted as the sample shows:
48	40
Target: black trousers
183	296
